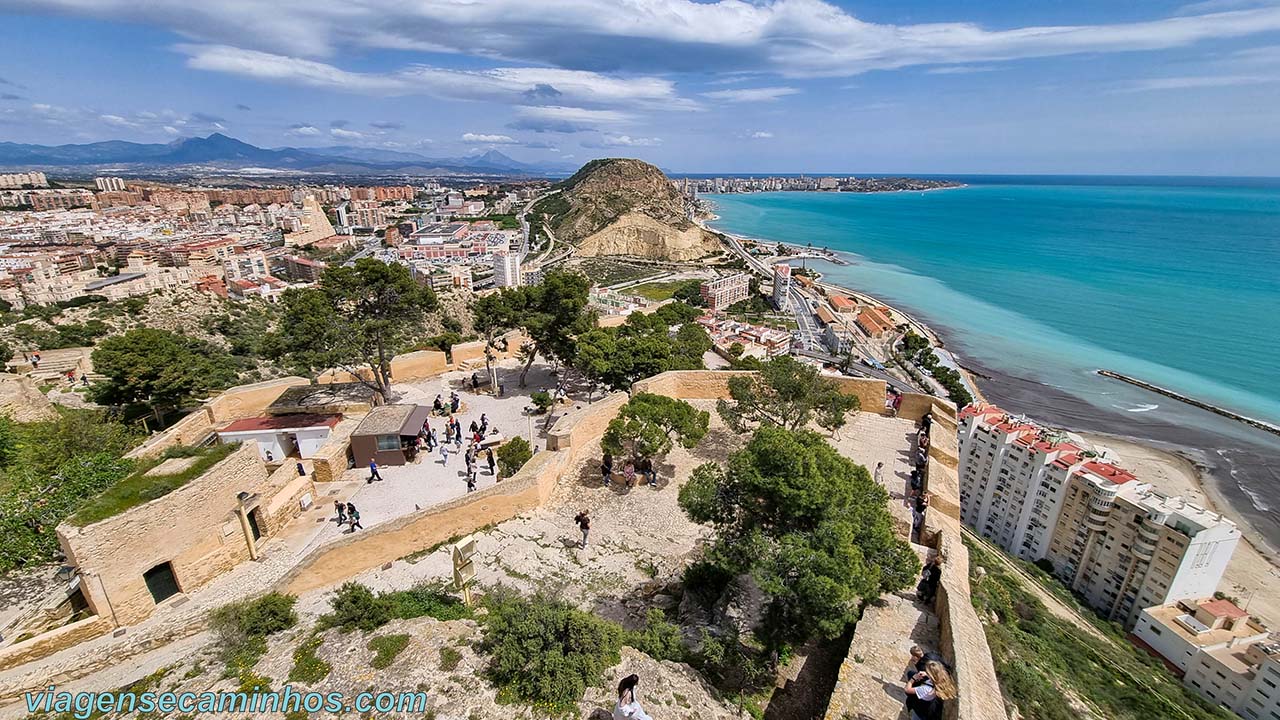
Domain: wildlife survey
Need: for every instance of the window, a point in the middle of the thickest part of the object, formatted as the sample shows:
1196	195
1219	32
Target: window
388	442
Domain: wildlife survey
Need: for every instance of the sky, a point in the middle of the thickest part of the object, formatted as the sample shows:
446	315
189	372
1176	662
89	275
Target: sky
910	86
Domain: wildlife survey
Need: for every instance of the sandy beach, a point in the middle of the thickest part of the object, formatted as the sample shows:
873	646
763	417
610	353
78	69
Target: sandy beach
1250	578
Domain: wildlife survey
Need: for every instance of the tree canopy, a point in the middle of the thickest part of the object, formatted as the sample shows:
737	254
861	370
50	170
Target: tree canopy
787	393
809	524
648	425
642	347
159	369
358	318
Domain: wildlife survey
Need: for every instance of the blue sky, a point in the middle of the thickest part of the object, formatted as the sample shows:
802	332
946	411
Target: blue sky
945	86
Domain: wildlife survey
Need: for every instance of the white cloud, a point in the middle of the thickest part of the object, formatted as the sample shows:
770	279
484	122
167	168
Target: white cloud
344	134
301	130
555	118
761	135
791	37
512	85
609	141
760	94
117	121
489	139
171	130
1197	81
960	69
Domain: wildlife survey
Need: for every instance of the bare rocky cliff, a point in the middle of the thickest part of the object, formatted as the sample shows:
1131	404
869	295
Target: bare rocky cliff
627	207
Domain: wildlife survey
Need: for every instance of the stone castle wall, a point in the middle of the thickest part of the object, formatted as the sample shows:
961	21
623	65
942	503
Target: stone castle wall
195	528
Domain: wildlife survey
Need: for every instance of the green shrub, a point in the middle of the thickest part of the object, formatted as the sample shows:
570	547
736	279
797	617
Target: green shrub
242	628
356	606
449	658
546	652
307	667
262	616
658	638
541	400
512	456
386	648
426	600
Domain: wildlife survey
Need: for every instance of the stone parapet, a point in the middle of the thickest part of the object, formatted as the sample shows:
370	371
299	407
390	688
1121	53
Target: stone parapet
48	643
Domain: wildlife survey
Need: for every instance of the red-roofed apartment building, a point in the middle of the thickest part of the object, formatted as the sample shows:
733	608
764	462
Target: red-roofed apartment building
1039	495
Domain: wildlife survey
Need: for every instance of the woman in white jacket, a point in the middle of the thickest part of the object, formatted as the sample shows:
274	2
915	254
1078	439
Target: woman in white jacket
628	707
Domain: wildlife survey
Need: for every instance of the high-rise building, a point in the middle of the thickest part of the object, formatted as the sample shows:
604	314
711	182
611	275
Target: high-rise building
506	269
109	184
781	285
723	292
1039	495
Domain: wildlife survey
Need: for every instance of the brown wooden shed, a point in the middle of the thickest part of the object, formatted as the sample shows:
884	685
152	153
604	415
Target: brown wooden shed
389	434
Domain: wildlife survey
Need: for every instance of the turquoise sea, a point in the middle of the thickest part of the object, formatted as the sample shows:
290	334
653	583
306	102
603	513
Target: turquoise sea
1176	282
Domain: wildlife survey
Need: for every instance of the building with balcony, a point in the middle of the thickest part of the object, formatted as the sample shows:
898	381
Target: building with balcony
722	292
1042	495
781	284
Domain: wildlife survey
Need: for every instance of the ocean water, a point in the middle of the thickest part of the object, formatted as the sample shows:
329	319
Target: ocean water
1175	282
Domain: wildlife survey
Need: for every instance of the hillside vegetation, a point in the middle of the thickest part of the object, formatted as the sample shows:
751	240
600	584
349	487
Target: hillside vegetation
625	207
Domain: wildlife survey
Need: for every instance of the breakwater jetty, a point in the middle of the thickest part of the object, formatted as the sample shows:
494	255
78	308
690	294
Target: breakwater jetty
1259	424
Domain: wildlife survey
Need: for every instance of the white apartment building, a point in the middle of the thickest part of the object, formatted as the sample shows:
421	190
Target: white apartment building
506	269
109	184
15	181
781	285
1219	652
1110	538
1013	474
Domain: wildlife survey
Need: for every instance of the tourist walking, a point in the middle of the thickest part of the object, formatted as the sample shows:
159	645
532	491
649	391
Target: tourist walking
492	463
444	454
628	705
474	427
342	511
606	469
373	471
484	424
878	475
928	690
471	478
353	517
584	524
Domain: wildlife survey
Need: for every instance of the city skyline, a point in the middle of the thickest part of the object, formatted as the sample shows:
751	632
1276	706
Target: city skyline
782	86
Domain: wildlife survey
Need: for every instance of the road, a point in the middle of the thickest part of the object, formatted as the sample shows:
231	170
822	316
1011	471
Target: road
524	222
371	246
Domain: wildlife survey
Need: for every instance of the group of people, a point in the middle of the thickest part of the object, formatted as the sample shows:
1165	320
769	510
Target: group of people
892	401
477	431
439	405
929	685
348	515
643	467
916	497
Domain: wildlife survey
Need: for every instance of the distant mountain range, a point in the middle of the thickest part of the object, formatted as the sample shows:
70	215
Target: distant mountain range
226	153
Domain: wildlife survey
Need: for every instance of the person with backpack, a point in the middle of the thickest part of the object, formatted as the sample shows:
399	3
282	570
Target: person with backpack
628	705
353	517
928	691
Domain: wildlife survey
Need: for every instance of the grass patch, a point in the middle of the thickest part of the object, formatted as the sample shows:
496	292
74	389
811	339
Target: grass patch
139	488
656	291
307	666
386	648
1040	658
449	658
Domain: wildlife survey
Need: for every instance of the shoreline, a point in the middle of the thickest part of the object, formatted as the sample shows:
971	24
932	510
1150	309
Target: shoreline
1203	470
